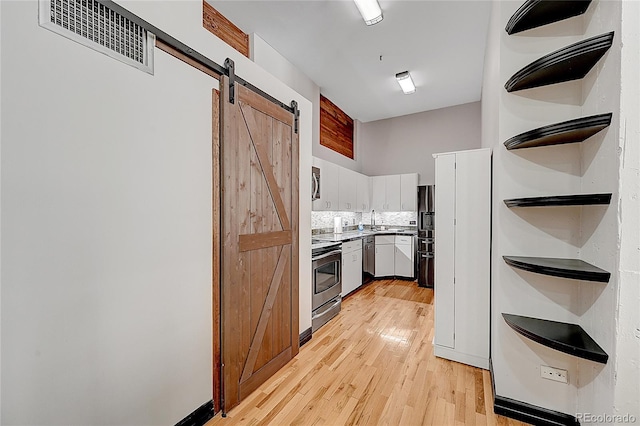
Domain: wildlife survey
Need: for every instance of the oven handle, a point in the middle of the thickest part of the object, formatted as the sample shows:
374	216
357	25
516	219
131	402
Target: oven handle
328	308
331	253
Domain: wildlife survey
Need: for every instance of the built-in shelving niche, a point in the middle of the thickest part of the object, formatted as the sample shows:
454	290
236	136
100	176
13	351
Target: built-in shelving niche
571	131
569	63
564	337
558	267
536	13
560	200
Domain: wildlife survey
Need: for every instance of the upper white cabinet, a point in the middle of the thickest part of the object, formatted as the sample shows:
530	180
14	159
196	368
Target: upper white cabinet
378	193
363	195
394	199
463	211
394	193
329	186
348	180
409	192
342	189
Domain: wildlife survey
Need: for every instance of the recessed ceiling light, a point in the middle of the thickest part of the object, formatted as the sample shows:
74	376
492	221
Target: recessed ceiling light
370	11
405	82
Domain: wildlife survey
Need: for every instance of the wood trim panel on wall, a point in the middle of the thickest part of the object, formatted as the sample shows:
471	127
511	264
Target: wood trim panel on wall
224	29
336	128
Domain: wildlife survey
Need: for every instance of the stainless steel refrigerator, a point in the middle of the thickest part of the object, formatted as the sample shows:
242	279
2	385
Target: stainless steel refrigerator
426	235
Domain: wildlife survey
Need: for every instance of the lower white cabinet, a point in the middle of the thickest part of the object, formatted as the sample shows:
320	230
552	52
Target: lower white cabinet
403	256
351	266
385	255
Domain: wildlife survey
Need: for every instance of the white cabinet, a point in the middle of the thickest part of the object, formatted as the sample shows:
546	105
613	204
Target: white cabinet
385	193
351	266
363	196
385	256
329	186
394	193
409	192
403	256
378	193
348	180
462	235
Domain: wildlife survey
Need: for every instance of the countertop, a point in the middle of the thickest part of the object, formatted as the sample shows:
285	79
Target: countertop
354	235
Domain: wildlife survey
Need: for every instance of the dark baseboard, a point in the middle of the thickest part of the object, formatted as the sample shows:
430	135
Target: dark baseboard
531	413
199	417
493	381
305	336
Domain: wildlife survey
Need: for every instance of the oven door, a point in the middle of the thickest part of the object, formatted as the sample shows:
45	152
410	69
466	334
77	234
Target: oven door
327	272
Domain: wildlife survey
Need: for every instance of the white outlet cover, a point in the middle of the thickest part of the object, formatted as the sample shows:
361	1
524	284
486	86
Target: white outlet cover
555	374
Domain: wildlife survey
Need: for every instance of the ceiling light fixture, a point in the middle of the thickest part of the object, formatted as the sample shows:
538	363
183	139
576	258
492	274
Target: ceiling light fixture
370	11
405	82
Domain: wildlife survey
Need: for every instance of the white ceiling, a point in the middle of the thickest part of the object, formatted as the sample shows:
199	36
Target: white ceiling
441	43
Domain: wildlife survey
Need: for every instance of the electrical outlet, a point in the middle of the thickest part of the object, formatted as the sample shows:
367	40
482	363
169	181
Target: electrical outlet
554	374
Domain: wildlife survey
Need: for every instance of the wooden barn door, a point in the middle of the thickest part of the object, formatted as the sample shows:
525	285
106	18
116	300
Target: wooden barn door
259	265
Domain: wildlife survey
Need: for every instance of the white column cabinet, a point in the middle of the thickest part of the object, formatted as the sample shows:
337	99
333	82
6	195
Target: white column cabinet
351	266
392	190
462	235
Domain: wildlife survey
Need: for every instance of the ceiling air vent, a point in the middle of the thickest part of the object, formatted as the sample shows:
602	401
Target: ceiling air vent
96	26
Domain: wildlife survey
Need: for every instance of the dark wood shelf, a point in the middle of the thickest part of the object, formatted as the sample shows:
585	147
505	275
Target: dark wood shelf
569	63
571	131
560	200
566	268
564	337
536	13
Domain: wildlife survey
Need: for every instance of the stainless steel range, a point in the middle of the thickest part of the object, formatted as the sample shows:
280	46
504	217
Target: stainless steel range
326	258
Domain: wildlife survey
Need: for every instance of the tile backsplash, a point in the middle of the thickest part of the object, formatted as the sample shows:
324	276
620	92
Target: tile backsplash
324	220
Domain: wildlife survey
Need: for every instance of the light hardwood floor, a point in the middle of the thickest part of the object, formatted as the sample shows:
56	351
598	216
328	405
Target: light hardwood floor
373	364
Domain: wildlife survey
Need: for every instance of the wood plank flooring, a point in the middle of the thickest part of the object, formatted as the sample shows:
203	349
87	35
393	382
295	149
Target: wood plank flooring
373	365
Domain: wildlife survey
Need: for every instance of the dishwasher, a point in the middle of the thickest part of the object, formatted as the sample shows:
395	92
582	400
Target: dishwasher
368	258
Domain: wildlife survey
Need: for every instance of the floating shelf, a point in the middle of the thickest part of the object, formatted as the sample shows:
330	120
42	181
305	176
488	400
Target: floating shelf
560	200
568	338
536	13
566	268
560	133
569	63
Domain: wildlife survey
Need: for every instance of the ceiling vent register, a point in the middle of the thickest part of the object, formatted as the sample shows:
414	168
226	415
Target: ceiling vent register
95	25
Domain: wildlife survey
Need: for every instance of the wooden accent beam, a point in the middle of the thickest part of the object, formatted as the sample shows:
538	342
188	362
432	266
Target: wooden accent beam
336	128
250	242
224	29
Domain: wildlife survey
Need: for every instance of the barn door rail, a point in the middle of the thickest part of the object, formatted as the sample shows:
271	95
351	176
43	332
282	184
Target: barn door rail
199	58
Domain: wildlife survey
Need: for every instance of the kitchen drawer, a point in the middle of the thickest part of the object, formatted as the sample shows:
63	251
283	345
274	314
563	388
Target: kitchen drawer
349	246
403	239
385	239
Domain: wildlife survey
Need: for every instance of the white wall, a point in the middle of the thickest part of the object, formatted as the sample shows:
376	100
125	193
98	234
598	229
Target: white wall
405	144
106	224
607	162
627	363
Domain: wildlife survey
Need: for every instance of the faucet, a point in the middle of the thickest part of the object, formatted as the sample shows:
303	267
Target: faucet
373	220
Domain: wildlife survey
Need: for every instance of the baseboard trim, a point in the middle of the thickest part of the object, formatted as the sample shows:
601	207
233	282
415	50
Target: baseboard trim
473	360
199	417
531	413
305	336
